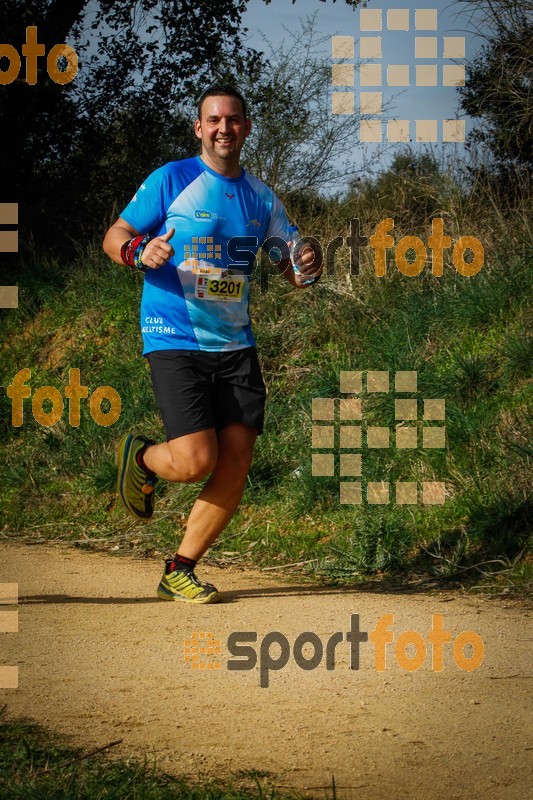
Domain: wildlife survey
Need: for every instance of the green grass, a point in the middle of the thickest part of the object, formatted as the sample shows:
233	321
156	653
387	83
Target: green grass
466	337
37	765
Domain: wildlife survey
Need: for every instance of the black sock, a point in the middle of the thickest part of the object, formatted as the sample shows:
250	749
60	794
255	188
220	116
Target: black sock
181	562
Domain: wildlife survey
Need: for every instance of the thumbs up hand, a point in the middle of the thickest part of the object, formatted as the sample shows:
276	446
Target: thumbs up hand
158	250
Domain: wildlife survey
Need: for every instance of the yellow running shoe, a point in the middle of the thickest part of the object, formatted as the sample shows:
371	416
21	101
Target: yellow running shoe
135	487
183	585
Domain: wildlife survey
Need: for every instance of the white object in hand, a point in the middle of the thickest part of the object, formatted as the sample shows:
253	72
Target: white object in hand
296	245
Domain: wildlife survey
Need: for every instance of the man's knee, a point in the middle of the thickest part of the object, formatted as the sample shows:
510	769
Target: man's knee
193	468
235	471
192	457
235	461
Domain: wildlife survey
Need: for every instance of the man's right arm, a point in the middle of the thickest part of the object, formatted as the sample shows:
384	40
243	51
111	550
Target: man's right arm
120	232
156	253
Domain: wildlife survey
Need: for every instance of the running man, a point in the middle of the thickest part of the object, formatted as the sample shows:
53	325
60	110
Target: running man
196	330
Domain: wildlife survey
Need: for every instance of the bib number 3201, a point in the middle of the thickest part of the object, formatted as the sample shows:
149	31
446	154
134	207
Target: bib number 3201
229	289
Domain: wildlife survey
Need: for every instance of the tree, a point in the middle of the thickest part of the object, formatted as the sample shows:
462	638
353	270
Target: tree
498	88
141	65
408	190
56	137
298	144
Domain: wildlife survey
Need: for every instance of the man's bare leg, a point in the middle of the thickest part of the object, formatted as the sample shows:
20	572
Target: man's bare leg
186	459
218	500
193	456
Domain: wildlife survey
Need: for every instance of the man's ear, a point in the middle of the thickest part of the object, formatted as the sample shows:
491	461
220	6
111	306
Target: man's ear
198	129
247	127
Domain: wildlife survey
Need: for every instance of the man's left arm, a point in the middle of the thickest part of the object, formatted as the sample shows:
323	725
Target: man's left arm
308	258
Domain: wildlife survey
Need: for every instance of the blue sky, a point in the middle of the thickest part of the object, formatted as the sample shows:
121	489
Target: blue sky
398	47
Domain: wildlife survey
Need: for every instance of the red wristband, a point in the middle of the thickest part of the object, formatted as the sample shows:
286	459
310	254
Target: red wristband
127	251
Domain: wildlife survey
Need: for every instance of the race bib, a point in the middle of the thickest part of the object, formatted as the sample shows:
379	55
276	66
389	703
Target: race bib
228	290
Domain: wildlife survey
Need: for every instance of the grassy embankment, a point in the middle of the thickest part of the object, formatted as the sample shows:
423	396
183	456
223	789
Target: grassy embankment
466	337
35	765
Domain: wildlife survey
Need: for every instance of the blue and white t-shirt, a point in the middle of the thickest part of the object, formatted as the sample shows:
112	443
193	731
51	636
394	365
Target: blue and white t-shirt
178	309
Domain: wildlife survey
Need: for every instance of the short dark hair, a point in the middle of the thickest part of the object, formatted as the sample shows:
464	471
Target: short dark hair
221	90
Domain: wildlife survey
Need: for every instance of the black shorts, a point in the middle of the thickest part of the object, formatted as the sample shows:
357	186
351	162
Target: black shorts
196	390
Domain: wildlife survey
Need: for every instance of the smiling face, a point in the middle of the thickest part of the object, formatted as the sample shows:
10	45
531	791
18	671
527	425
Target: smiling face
222	129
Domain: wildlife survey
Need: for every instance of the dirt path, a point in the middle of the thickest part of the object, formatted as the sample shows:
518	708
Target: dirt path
100	658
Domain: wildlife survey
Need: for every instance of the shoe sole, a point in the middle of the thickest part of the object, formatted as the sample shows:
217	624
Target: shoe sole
163	594
123	455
